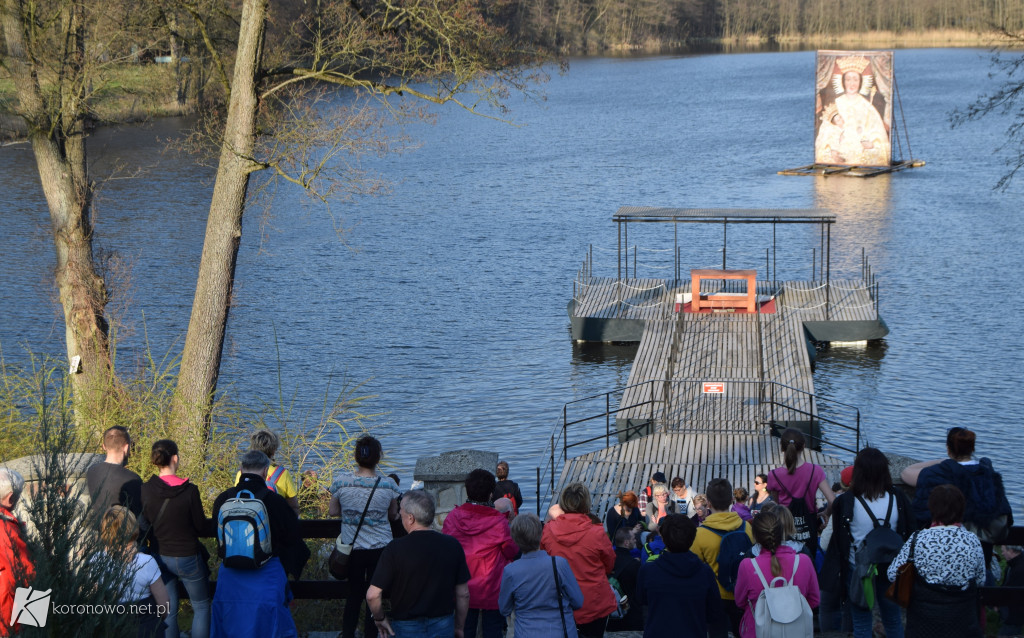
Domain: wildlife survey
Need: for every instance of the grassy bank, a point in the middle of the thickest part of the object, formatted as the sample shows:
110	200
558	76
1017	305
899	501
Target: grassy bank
127	93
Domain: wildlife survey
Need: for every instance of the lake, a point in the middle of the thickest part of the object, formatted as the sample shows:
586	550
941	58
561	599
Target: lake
446	298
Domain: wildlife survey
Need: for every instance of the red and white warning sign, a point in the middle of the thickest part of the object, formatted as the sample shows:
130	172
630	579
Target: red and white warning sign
713	387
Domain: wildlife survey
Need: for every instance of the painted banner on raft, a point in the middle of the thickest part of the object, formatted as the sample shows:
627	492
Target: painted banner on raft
713	387
853	108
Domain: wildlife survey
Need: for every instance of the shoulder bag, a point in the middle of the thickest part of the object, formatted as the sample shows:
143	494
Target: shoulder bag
903	587
337	563
558	592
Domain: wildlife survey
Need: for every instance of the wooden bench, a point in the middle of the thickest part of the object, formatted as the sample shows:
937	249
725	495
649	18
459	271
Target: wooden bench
728	300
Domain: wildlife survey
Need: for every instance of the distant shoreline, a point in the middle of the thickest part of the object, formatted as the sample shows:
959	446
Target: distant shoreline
128	110
933	39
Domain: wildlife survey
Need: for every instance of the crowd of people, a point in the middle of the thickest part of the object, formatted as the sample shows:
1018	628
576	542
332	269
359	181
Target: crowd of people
667	561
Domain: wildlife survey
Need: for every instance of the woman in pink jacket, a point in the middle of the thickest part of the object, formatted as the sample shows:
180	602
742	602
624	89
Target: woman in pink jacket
775	559
576	538
485	538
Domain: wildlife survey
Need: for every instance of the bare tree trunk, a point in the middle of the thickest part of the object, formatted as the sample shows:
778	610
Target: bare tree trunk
61	161
204	342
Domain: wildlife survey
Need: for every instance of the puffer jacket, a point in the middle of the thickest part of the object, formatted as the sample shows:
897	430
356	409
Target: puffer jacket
16	569
589	552
483	533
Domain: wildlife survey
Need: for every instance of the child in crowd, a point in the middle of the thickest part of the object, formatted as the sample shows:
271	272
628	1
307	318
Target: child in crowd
702	510
740	506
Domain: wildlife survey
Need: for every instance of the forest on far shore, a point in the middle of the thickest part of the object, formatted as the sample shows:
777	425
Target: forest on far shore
593	26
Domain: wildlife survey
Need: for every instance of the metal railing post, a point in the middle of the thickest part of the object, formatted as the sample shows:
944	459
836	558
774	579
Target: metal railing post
565	437
538	492
607	418
552	462
858	430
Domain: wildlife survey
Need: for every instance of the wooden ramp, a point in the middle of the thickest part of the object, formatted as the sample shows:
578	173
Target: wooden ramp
697	457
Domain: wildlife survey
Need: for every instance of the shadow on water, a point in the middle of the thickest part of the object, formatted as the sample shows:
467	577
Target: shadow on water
613	354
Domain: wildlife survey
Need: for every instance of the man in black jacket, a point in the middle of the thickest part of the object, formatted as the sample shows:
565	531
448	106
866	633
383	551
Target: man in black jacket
285	534
254	602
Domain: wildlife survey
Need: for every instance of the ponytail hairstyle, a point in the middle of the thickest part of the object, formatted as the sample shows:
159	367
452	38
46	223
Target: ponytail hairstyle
768	532
162	452
792	445
367	452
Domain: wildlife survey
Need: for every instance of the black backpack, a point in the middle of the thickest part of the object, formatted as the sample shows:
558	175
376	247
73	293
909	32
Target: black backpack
735	546
882	543
876	552
805	520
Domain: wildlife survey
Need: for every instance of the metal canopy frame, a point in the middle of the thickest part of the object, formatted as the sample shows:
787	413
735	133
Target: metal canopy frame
725	216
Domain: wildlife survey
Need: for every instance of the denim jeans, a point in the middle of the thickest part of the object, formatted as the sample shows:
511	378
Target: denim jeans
494	622
440	627
194	574
863	619
833	613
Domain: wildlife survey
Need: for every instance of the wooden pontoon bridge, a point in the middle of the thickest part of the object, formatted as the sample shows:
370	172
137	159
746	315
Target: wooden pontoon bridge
711	380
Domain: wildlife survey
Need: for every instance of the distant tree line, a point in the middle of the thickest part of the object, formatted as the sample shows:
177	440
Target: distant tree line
588	26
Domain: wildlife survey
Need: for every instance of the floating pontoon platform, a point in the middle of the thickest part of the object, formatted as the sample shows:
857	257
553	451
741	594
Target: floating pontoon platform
828	170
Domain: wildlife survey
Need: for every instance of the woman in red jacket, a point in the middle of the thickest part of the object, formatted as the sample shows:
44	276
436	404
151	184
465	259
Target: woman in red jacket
484	535
16	569
574	537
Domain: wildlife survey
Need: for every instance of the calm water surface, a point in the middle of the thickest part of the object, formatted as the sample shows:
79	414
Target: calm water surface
447	298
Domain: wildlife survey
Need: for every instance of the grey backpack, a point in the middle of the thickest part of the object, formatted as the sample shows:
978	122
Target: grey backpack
782	612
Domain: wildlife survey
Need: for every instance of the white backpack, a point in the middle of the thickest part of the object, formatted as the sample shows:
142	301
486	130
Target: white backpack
782	612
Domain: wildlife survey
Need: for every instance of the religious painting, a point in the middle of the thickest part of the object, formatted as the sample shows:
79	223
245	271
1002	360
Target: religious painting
853	108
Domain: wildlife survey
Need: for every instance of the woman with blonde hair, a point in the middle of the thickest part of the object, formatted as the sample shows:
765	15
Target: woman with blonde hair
660	505
145	592
278	478
576	539
776	559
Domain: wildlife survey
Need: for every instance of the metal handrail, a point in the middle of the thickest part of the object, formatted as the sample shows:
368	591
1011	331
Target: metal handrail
559	434
766	395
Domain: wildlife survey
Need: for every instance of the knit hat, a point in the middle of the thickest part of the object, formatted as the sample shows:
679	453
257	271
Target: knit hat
659	477
846	477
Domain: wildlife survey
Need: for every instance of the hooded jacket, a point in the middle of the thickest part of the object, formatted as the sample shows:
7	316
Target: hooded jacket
681	594
176	532
706	544
16	569
981	484
589	552
484	535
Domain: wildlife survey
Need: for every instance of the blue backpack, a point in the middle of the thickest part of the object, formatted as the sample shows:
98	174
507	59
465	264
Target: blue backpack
735	546
243	532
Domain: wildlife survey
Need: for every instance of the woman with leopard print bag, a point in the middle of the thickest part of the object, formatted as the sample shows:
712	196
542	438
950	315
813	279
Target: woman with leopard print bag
950	568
